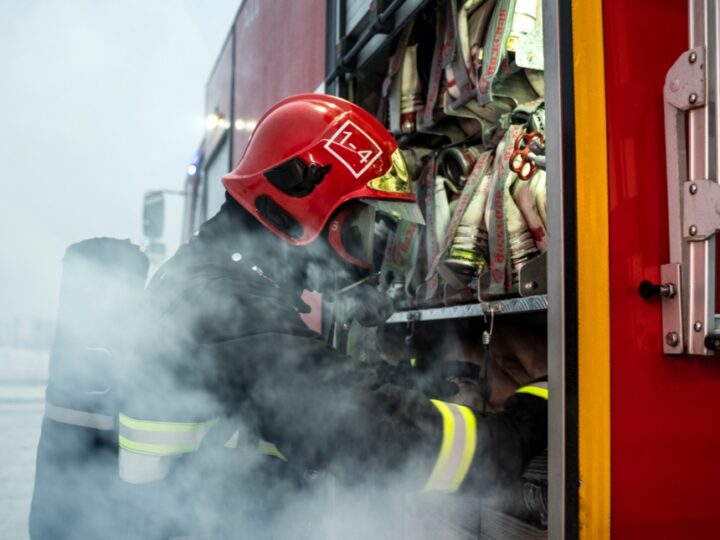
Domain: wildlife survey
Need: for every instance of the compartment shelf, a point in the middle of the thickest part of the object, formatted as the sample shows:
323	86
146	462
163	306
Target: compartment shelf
510	305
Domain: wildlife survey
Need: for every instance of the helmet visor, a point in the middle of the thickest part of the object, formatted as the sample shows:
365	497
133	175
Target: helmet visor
398	210
397	181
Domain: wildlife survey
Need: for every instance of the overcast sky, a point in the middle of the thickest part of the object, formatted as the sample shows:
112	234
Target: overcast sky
100	100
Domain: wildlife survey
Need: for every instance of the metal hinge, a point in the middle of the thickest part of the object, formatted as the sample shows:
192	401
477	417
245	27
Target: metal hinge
693	216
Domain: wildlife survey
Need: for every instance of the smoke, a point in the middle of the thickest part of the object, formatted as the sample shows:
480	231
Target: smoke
89	113
99	102
232	350
218	338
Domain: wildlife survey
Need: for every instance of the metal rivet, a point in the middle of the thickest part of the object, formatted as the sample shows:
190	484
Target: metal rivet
693	230
692	98
693	188
698	326
692	57
672	339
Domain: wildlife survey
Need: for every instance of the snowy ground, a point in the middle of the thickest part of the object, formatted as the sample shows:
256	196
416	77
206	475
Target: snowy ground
23	376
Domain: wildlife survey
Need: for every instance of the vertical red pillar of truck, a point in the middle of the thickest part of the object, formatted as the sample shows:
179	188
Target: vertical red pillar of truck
279	51
665	440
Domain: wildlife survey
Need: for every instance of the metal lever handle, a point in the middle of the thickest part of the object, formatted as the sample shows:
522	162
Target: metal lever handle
648	289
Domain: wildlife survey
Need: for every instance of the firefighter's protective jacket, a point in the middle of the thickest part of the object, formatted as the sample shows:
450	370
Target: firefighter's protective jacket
230	388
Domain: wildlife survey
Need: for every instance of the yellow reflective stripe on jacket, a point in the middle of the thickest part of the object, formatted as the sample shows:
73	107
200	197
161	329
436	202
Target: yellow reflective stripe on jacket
457	449
264	447
156	449
539	389
161	438
234	440
269	449
152	425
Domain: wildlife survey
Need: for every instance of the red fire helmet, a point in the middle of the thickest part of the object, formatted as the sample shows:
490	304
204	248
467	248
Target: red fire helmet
310	154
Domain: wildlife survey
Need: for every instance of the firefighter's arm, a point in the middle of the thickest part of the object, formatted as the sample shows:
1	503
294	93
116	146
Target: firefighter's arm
335	414
485	450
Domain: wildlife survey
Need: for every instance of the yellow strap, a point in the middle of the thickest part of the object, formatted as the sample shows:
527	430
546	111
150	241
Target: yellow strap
534	390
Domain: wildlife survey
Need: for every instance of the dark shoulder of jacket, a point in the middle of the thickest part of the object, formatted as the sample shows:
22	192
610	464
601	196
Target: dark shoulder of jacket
214	297
207	255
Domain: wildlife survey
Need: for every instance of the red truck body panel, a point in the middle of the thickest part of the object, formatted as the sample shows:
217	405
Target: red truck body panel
279	51
218	96
665	442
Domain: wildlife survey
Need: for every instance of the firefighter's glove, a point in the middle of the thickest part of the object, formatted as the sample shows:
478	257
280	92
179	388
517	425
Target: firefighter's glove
439	379
435	380
365	304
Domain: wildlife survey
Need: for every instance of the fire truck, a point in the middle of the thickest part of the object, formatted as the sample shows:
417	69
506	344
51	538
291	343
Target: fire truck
625	281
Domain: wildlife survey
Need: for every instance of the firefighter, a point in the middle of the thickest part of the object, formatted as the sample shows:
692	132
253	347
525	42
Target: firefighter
231	395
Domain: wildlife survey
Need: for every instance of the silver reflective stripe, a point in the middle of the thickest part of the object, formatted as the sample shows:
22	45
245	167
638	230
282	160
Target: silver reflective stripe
79	418
457	449
137	468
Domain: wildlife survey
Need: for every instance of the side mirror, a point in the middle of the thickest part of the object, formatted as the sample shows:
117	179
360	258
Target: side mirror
154	214
156	252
